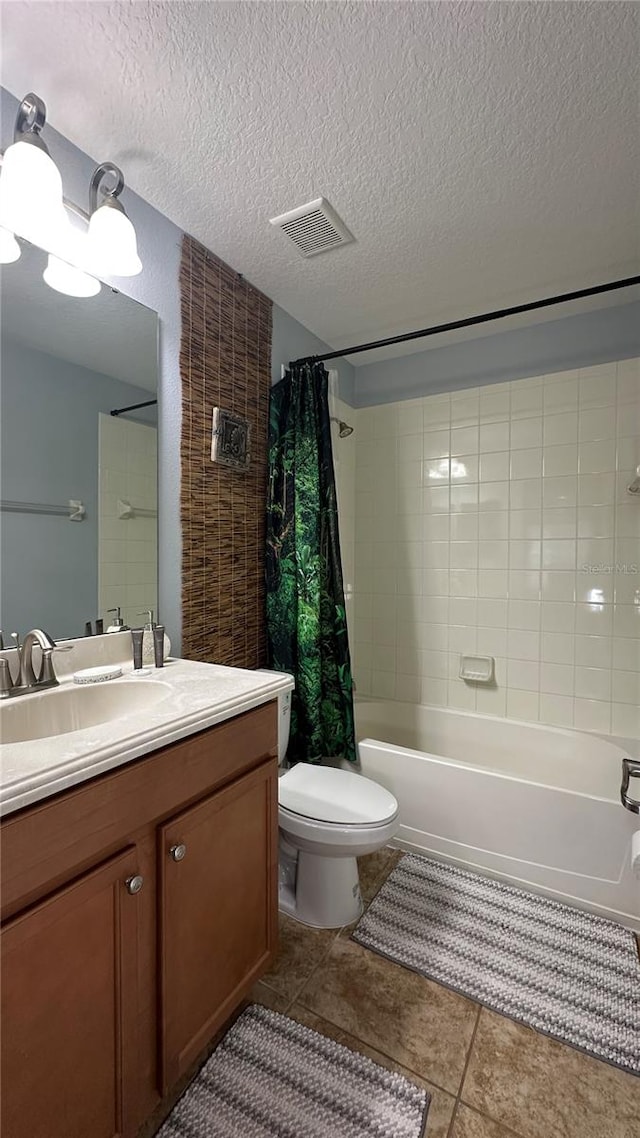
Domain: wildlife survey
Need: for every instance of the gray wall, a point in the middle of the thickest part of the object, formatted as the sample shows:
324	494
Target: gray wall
49	440
557	345
159	242
291	341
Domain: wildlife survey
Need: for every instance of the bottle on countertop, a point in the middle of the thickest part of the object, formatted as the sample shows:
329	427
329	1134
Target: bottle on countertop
148	650
158	645
117	624
136	644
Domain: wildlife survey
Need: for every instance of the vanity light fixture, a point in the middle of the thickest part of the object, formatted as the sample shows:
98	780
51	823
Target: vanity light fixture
67	279
30	186
32	207
113	249
66	274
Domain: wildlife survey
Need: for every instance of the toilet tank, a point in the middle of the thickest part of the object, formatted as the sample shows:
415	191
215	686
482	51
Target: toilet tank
284	717
284	724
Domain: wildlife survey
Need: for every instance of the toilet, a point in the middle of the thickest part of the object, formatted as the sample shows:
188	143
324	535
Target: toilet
327	818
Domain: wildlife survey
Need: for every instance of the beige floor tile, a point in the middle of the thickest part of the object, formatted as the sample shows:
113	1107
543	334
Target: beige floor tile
300	951
262	994
470	1124
396	856
375	868
442	1104
544	1089
348	930
373	871
419	1024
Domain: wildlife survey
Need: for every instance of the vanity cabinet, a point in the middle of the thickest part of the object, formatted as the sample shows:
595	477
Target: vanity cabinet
215	913
137	911
69	968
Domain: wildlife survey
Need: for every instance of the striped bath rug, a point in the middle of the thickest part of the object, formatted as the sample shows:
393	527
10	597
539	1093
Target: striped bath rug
566	973
273	1078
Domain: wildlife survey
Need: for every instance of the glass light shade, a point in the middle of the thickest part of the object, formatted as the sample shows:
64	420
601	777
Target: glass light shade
9	248
31	196
113	249
69	280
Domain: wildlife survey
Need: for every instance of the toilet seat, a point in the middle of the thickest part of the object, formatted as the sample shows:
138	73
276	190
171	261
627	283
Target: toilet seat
332	833
333	797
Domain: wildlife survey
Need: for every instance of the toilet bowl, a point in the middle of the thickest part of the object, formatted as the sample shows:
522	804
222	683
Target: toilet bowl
328	818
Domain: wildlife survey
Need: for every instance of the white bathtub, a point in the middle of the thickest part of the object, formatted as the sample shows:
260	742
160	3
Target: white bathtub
538	806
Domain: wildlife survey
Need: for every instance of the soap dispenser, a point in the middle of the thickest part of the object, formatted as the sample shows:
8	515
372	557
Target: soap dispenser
117	624
148	652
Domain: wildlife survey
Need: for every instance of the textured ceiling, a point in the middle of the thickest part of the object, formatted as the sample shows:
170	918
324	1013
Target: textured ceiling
483	154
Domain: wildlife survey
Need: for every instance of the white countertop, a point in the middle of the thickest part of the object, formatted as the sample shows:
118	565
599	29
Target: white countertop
198	696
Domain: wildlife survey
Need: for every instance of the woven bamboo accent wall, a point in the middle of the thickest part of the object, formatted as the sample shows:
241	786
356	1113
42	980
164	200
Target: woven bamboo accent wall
225	361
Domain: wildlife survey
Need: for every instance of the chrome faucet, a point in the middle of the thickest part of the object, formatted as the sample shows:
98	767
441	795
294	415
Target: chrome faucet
27	675
26	679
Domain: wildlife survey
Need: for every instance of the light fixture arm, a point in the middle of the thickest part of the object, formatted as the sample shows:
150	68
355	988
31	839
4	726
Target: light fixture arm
106	169
31	116
30	119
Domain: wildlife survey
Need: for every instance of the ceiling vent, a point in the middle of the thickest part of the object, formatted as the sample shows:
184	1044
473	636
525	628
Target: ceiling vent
314	228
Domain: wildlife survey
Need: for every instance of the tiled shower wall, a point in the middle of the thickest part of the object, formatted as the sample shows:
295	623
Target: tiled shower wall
127	545
496	521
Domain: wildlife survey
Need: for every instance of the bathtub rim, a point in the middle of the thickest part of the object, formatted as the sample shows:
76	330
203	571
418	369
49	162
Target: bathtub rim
442	760
615	751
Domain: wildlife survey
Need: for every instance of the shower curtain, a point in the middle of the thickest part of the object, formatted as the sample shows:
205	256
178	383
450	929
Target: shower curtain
306	618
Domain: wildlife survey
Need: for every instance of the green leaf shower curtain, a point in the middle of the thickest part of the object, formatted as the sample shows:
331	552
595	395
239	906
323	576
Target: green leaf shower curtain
306	618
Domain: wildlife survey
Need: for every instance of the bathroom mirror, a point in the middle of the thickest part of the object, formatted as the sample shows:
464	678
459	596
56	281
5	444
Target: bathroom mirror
78	486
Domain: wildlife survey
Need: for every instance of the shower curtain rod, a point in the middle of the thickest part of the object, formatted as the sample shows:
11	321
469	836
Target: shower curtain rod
469	321
133	407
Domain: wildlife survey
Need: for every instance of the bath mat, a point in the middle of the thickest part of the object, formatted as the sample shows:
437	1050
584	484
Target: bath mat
566	973
273	1078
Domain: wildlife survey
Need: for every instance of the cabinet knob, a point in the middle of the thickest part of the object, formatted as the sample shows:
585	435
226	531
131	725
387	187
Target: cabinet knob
134	884
178	852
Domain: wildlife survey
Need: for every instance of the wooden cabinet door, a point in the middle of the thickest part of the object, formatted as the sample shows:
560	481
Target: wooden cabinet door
69	1009
218	915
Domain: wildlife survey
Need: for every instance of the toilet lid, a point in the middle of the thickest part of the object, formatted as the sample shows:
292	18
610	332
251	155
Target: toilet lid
330	795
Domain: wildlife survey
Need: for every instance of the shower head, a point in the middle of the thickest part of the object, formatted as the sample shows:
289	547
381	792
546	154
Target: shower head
634	487
344	430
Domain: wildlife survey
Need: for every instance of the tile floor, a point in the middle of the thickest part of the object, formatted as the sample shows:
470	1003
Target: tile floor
488	1077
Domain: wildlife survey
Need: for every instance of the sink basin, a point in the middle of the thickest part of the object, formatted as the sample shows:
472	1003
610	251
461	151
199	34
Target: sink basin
58	711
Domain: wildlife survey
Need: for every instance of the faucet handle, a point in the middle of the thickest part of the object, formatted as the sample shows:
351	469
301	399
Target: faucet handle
6	682
47	671
47	674
15	636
